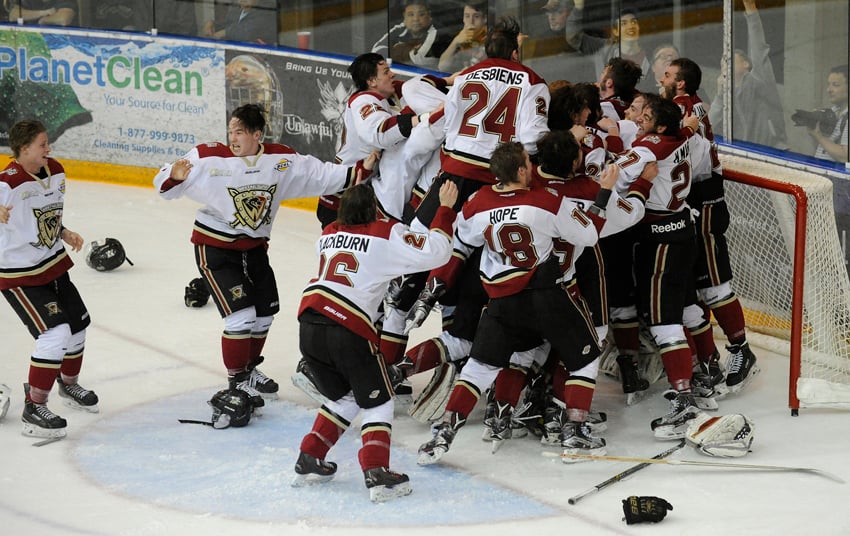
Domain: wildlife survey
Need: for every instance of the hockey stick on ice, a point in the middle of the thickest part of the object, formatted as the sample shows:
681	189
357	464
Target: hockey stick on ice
701	463
620	476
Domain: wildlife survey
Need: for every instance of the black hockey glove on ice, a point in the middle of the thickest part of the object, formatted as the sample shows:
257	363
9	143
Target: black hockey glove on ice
640	509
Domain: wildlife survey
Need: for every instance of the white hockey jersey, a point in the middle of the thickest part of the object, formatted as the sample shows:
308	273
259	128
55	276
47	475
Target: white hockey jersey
31	251
679	161
357	262
492	102
242	195
516	229
371	123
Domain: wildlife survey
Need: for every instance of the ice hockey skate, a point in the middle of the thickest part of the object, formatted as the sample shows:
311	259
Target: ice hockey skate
674	425
242	381
443	434
741	367
556	417
310	470
503	426
264	385
39	421
711	374
5	400
577	439
75	396
303	380
385	485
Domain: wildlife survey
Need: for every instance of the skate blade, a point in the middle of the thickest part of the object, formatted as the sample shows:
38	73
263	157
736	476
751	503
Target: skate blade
301	481
73	404
430	458
47	441
670	433
404	402
734	389
269	396
495	445
31	430
553	441
634	398
379	494
706	403
303	383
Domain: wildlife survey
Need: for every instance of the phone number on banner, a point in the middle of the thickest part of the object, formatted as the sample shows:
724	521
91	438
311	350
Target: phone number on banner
154	135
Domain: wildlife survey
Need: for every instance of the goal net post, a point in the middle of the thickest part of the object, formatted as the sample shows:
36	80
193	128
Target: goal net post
790	274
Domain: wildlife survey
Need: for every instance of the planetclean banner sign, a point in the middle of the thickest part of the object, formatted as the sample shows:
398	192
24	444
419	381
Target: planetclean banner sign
138	102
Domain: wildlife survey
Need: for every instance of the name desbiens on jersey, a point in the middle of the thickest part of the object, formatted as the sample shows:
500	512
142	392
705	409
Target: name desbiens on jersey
498	75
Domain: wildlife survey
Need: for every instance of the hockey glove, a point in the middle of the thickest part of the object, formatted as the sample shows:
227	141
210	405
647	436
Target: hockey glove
433	290
196	294
640	509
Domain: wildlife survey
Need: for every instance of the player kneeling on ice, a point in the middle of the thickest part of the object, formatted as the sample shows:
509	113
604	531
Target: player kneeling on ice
359	256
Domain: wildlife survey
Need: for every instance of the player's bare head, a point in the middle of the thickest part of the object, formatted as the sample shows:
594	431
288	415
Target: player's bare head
590	93
364	68
624	74
251	116
563	105
665	113
357	205
689	73
503	40
506	160
557	152
24	133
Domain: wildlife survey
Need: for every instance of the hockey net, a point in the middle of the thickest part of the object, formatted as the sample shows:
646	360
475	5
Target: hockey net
790	274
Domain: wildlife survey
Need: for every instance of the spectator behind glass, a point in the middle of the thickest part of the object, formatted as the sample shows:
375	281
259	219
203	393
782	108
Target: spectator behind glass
624	40
249	21
467	47
557	12
175	17
415	40
44	12
661	58
757	115
832	145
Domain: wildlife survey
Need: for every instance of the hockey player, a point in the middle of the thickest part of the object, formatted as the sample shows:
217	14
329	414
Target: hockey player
34	278
681	81
515	224
495	100
665	251
241	187
360	254
376	120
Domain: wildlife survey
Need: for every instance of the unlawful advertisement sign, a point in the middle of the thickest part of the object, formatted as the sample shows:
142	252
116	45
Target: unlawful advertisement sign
137	102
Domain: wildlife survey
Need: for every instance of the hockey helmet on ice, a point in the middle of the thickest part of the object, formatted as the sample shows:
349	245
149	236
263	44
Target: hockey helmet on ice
105	255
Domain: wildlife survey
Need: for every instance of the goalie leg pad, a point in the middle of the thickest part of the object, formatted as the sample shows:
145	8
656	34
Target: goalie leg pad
726	436
431	402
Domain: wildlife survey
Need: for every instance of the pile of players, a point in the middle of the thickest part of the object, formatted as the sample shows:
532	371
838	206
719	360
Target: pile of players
590	221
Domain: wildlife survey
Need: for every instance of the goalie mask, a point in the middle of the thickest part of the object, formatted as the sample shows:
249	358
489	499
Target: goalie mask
231	407
727	436
105	255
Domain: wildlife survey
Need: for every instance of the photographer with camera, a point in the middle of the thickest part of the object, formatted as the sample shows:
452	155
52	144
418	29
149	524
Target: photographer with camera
828	126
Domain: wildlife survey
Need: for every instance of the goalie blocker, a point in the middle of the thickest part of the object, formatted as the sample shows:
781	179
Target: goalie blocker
726	436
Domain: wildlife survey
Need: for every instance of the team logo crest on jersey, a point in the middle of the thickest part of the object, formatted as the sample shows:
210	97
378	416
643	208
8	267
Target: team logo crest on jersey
52	308
253	204
652	138
237	292
283	165
48	221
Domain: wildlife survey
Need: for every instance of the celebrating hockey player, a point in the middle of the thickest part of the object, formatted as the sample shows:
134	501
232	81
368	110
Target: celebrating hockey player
359	255
34	278
241	187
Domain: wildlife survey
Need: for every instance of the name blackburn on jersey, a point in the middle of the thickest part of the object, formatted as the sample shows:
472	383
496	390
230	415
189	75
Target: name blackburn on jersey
347	242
